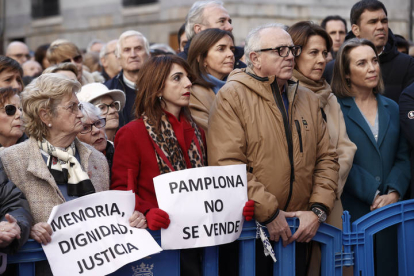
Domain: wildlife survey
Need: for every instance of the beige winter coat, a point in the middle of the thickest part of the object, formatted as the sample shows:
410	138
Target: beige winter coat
201	101
246	127
338	136
25	167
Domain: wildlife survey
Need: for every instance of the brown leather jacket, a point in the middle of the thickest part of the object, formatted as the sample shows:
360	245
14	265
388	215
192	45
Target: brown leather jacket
291	165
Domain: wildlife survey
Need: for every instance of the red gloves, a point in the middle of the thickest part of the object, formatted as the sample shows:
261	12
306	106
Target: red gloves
157	219
248	210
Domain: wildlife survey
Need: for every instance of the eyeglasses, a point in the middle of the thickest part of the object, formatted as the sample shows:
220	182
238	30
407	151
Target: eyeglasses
105	107
98	124
19	56
77	59
73	108
11	109
111	52
284	50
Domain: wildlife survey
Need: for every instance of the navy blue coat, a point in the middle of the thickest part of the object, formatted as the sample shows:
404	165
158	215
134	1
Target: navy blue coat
127	114
381	165
407	124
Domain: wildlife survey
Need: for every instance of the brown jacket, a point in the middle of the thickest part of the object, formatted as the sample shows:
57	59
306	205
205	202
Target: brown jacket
246	127
201	101
25	167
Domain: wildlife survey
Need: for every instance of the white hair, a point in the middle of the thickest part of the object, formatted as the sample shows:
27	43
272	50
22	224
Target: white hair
162	47
93	42
195	16
90	112
128	34
253	40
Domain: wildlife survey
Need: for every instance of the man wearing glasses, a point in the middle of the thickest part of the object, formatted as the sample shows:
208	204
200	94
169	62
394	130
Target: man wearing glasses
18	51
262	119
109	62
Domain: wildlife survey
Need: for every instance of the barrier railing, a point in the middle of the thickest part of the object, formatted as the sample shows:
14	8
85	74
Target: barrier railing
168	261
337	248
359	236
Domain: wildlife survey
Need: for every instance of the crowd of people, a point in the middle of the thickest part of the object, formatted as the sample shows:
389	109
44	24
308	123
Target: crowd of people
322	118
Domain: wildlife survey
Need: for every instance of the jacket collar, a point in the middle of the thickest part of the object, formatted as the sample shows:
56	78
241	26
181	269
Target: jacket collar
261	85
383	119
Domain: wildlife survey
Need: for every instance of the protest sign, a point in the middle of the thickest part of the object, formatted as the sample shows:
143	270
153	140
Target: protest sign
92	236
205	205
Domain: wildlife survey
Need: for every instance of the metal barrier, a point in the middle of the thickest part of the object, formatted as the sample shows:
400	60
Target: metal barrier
357	238
168	261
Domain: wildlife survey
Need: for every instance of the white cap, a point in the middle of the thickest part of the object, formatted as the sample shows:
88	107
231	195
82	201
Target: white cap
92	91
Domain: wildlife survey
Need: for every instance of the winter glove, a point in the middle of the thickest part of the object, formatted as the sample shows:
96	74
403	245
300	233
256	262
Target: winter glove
248	210
157	219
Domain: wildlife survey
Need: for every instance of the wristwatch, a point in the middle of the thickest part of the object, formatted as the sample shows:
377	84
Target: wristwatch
320	213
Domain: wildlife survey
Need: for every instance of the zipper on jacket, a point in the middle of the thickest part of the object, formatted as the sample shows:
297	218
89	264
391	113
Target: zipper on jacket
300	135
288	132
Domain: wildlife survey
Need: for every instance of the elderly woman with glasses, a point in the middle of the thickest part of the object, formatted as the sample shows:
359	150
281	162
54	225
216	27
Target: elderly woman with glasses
93	132
53	166
110	103
61	51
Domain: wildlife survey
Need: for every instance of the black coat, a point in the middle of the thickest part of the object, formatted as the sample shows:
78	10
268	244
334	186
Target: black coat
407	125
13	202
127	114
238	54
397	68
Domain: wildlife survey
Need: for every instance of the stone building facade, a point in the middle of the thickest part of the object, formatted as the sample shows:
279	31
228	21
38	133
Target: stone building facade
83	20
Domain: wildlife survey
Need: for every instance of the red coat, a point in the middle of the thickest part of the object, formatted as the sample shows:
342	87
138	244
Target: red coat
135	164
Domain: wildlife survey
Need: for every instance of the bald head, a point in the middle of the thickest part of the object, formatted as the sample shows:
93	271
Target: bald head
18	51
31	68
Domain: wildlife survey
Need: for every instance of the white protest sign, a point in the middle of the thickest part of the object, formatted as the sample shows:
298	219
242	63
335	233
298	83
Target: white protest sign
205	205
92	236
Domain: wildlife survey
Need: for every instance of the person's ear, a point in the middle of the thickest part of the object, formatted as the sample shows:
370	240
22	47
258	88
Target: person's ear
45	116
356	30
255	59
197	28
103	62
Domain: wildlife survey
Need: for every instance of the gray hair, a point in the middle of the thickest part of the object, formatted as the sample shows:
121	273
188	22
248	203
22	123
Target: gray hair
253	40
93	42
162	47
195	16
128	34
90	112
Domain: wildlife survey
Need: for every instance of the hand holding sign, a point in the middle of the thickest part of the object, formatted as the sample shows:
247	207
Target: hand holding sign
248	210
41	232
92	234
205	206
157	219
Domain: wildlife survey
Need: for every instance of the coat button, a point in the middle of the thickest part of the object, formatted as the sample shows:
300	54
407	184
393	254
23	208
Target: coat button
377	178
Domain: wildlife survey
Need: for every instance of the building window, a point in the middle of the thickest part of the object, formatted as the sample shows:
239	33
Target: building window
131	3
44	8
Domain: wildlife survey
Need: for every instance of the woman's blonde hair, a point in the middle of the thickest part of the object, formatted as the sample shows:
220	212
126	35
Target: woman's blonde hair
46	92
60	50
66	66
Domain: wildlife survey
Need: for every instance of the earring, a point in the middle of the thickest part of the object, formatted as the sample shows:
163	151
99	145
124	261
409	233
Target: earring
160	98
348	82
49	125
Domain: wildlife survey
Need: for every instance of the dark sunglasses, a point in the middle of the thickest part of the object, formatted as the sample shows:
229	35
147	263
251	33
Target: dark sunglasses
77	59
11	109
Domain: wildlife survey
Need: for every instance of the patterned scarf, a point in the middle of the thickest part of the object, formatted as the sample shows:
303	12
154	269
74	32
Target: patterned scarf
66	169
168	151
